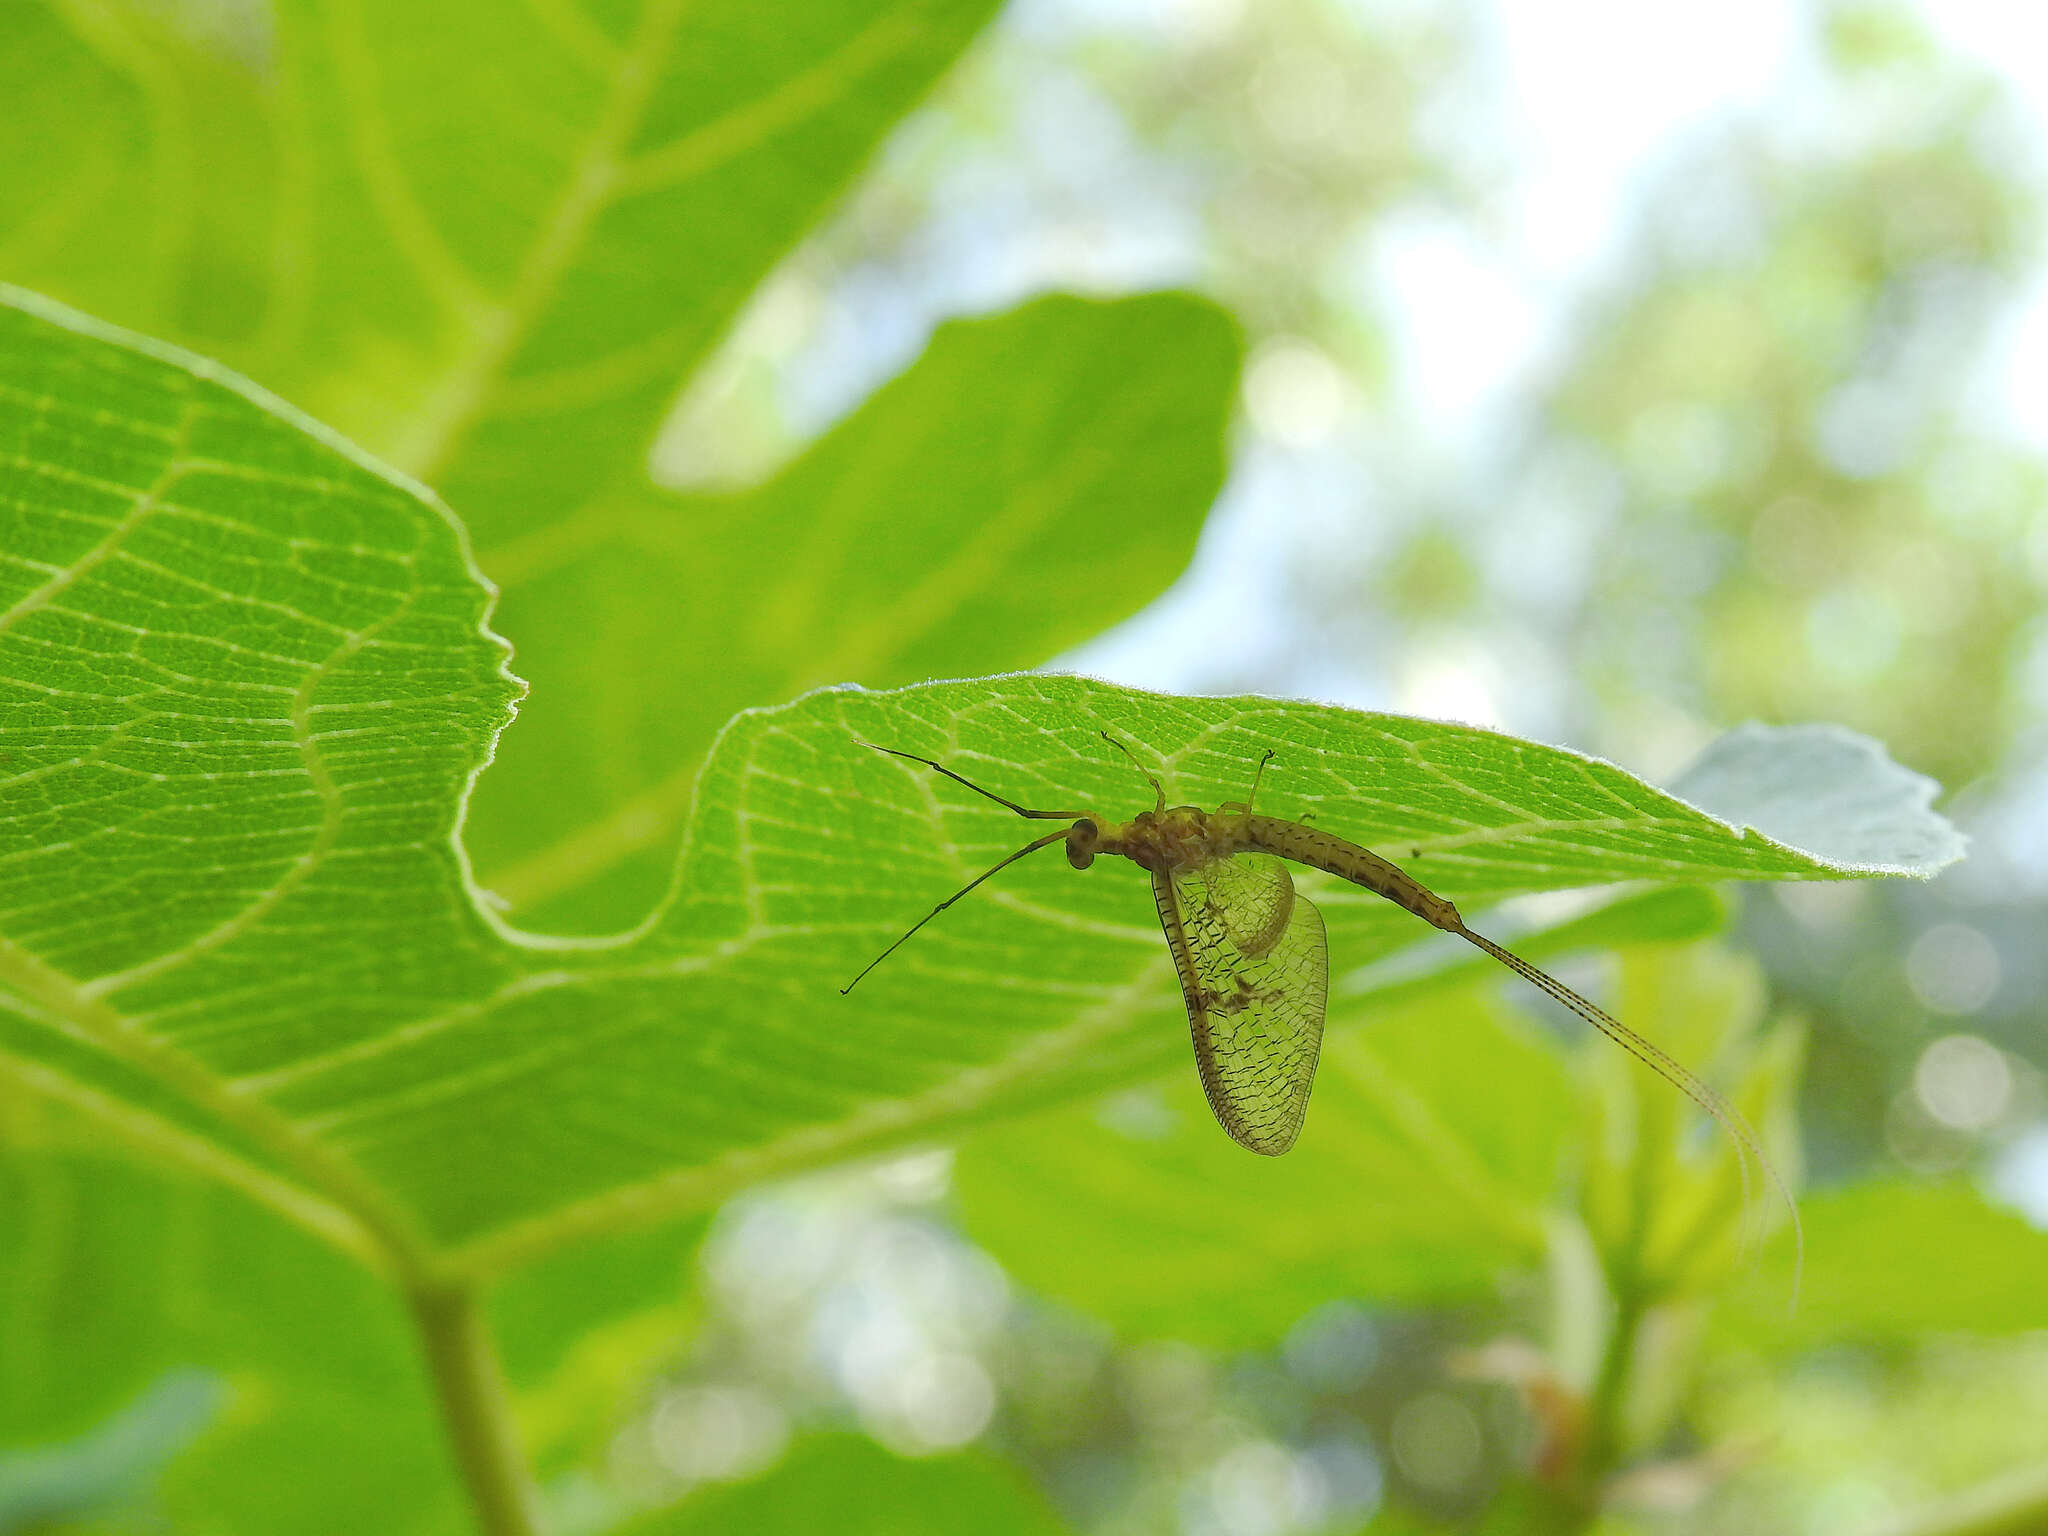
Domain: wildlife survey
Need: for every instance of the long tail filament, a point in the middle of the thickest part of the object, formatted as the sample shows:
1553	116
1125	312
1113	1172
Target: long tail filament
1672	1071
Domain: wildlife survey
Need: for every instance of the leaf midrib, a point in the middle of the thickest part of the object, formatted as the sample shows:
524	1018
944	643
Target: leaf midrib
395	1233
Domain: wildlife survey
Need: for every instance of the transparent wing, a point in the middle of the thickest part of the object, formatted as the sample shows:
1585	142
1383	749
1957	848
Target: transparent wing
1255	970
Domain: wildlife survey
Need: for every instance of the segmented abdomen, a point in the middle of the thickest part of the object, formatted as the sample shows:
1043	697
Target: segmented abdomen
1348	861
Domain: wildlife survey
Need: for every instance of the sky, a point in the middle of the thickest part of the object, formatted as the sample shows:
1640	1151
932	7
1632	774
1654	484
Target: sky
1586	99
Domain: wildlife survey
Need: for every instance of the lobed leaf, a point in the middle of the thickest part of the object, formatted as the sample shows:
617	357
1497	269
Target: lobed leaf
486	246
491	244
246	687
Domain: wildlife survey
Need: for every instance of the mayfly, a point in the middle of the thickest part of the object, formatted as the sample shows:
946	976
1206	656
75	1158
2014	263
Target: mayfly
1250	950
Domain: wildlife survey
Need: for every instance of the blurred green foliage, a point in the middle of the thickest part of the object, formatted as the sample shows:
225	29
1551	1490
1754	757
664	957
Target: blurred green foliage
1780	386
867	1491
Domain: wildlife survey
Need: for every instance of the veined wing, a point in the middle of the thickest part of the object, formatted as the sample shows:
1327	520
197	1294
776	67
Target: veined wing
1255	970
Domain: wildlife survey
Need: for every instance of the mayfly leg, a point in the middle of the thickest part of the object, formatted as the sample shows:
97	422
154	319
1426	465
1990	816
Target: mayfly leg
1244	807
1158	788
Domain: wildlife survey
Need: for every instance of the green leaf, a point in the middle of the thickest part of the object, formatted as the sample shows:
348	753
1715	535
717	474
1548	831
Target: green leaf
1892	1260
583	1330
486	248
861	1490
492	249
316	1417
143	1309
246	688
245	684
1828	790
1415	1180
1672	1211
966	519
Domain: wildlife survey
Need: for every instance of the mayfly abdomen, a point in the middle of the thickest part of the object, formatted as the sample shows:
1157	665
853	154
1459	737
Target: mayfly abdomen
1348	861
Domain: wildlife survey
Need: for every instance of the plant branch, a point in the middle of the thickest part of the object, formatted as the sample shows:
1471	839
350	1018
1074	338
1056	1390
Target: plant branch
470	1386
1602	1446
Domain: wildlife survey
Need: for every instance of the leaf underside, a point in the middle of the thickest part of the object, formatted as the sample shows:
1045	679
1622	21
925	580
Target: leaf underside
247	684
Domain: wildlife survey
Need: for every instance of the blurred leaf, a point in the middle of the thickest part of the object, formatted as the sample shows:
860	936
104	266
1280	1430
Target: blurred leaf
583	1331
270	663
486	245
1887	1261
1416	1180
854	1487
545	1311
2013	1503
1827	790
299	1365
320	1419
1034	478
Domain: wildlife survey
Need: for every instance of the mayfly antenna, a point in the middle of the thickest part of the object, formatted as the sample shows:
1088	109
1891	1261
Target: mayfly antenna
988	794
1031	847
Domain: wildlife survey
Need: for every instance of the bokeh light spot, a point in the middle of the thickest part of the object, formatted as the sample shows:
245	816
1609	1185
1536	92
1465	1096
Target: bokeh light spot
1867	430
1263	1489
1436	1441
1334	1348
1952	968
1852	635
945	1400
1296	395
718	1433
1964	1082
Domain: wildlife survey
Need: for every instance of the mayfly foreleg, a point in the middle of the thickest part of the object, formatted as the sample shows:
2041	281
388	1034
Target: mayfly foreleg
1158	788
1244	807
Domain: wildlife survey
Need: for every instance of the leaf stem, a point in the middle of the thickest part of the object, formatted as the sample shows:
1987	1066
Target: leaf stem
470	1385
1604	1432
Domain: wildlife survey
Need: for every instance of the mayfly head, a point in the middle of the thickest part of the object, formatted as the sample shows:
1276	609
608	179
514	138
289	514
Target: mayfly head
1084	841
